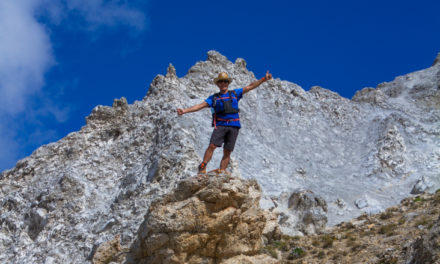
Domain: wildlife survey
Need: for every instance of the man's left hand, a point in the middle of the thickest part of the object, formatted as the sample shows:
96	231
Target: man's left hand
268	76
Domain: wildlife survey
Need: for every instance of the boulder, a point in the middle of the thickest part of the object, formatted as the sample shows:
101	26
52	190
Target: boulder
421	186
207	221
306	213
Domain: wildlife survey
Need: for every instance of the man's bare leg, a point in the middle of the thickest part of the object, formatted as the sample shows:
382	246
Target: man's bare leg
208	153
225	159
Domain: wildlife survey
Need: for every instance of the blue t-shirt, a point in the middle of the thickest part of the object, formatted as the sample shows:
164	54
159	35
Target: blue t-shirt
229	117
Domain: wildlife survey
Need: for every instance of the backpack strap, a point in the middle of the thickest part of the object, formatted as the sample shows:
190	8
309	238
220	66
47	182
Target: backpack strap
214	99
214	116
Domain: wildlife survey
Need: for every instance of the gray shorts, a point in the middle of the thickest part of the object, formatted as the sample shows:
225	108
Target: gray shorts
225	134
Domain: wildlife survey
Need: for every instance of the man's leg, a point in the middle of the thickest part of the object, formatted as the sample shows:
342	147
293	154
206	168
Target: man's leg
225	159
230	138
208	153
206	158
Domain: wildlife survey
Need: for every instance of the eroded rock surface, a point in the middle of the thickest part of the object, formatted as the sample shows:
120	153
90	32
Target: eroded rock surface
211	221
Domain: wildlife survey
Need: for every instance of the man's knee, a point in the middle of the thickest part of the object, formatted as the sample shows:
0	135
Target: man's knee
226	152
212	146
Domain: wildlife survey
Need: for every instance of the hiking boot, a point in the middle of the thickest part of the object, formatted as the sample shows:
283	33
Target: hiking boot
202	167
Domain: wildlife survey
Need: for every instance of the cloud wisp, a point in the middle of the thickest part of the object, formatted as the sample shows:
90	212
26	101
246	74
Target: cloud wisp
26	55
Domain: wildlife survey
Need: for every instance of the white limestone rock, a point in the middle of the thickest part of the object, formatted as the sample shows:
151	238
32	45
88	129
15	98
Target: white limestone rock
421	186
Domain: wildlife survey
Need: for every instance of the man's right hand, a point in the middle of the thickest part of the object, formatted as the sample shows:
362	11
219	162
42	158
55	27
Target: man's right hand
180	111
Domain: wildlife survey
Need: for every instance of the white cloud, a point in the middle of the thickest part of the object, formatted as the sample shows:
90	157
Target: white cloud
97	13
26	53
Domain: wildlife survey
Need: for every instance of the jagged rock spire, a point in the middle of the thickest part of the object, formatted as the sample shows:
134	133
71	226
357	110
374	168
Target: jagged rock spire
171	72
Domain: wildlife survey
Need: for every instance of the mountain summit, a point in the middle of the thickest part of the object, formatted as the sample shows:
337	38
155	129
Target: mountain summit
319	158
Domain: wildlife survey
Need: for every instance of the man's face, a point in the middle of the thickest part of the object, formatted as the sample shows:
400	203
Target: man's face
223	85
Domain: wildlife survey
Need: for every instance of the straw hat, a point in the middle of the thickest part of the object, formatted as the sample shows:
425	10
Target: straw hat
222	76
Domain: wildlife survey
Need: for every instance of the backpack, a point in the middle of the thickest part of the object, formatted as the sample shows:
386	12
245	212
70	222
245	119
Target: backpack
227	106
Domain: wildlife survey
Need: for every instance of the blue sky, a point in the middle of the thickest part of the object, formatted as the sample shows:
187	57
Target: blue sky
59	58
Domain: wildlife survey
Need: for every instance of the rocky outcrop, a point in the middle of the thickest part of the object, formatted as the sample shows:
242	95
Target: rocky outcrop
212	221
391	154
110	251
421	186
306	213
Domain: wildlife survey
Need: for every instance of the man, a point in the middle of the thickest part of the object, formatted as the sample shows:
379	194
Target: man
226	120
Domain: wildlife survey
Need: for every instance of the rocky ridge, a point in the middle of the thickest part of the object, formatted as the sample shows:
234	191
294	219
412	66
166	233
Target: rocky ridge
352	156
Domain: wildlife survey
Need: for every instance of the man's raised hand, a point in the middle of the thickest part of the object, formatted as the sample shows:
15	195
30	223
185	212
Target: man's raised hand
268	76
180	111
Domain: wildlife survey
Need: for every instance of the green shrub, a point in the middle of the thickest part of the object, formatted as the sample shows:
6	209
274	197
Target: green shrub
281	245
296	253
419	199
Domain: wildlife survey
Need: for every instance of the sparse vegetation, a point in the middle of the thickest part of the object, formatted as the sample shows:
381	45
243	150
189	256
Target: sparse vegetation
290	238
437	198
281	245
315	243
351	237
362	217
271	251
321	255
327	241
297	253
423	221
366	233
402	221
348	225
386	215
356	247
388	229
377	237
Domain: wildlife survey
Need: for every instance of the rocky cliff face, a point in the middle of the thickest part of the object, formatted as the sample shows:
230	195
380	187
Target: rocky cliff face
351	156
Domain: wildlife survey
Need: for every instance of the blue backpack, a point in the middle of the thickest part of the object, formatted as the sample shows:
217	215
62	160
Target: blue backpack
226	107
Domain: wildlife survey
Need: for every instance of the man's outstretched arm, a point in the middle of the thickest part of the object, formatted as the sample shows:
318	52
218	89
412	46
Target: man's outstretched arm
257	83
194	108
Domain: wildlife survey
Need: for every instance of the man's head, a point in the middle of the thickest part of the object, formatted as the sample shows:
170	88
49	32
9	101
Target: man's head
223	81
